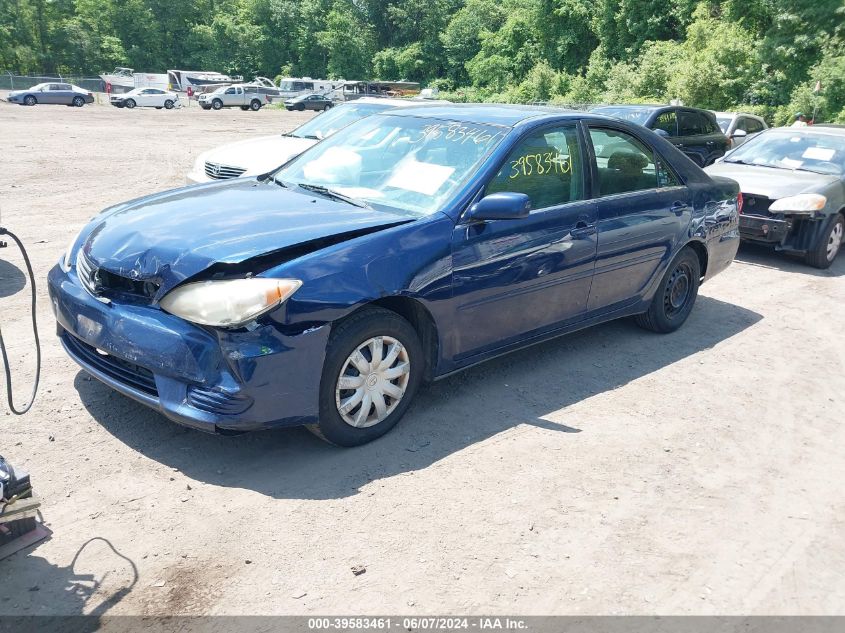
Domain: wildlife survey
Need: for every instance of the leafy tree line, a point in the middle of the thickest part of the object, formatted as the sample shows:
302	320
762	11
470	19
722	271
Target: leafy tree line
765	55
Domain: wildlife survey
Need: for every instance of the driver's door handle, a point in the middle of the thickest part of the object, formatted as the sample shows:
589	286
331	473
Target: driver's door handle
582	229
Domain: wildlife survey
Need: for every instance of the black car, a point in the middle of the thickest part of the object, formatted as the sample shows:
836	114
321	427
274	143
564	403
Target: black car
693	131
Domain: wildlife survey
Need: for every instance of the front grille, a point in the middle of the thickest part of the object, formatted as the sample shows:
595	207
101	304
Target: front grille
122	371
756	205
103	283
222	172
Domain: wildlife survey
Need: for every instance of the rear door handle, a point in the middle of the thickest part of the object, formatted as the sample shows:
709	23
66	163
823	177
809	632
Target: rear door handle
678	207
582	229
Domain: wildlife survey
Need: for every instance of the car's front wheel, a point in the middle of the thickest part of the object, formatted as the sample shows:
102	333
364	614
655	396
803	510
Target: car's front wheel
168	104
129	103
30	100
374	365
675	296
829	245
217	104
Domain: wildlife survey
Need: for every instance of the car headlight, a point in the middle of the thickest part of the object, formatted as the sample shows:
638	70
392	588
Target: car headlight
228	303
802	203
67	261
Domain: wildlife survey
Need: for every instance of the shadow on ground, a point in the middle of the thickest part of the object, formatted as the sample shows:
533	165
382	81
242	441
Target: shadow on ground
38	588
12	279
765	257
448	416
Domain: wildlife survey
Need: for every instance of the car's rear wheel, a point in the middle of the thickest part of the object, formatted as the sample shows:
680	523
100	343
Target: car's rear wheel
373	367
168	104
30	100
129	103
78	102
675	296
327	107
829	245
255	105
217	104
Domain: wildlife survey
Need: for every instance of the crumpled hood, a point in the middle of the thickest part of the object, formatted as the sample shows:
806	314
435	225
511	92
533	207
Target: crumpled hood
259	155
769	182
172	236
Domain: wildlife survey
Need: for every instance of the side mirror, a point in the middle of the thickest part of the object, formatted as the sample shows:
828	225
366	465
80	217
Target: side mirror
505	205
661	132
739	134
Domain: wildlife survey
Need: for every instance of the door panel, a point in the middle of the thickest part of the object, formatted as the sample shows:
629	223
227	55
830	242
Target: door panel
641	208
636	231
515	277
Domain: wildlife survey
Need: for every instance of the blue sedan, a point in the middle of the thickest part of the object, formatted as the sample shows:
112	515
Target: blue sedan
408	246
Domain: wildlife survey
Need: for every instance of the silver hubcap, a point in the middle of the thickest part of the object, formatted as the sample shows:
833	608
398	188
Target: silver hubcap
372	381
835	241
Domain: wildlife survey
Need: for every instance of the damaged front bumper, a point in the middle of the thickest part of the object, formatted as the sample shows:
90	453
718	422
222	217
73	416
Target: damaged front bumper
211	379
795	234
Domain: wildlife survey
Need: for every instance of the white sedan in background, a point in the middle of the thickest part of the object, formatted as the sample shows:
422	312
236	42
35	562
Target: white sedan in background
256	156
146	98
740	126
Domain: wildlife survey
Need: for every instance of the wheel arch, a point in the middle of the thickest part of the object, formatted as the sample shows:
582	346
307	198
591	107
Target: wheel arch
413	311
703	256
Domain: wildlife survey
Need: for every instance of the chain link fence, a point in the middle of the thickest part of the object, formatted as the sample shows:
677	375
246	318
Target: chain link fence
9	81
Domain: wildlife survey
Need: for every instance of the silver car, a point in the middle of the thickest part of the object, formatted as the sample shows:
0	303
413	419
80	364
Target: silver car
740	126
52	93
793	190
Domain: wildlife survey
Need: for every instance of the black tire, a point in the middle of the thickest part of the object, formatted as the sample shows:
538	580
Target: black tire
30	100
78	102
129	103
328	107
819	257
244	108
299	107
675	296
168	104
217	104
255	105
345	339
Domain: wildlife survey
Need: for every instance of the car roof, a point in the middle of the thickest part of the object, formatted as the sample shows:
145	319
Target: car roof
490	113
736	113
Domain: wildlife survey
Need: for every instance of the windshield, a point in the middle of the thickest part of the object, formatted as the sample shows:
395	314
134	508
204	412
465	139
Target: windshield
724	123
785	149
326	124
412	164
638	115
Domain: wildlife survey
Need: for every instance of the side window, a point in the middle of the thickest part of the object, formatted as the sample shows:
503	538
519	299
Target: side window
753	126
546	166
691	124
710	125
54	87
231	91
667	122
624	164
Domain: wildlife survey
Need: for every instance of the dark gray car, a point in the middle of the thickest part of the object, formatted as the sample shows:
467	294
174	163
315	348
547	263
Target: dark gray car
309	102
52	93
692	130
793	188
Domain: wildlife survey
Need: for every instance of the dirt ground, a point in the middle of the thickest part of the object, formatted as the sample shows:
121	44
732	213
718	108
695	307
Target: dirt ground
612	471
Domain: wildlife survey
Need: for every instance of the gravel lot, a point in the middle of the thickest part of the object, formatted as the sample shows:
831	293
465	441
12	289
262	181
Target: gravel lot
612	471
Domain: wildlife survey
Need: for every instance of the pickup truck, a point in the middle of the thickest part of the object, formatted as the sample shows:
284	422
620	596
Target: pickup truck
245	97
